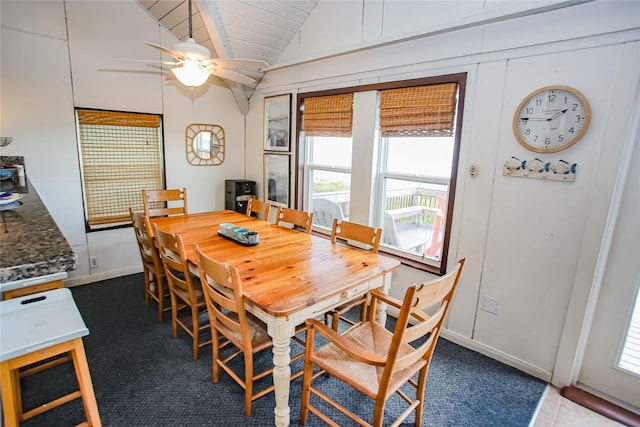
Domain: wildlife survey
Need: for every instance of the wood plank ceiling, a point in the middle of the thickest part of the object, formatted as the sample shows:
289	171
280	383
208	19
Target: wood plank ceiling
251	29
242	29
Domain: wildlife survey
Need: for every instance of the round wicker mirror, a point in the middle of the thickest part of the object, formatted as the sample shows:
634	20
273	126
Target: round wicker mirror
205	144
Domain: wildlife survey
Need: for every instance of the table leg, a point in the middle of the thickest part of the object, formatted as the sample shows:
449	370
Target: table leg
381	307
281	332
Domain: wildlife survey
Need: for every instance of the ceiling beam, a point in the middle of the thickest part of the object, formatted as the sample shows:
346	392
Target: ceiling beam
213	25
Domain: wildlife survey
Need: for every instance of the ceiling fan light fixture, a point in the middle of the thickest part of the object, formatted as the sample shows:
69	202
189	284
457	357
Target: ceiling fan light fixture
197	64
190	74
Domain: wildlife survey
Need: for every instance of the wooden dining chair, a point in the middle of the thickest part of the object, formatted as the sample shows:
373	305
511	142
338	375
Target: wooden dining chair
258	208
184	289
376	361
369	236
232	325
164	202
297	218
152	267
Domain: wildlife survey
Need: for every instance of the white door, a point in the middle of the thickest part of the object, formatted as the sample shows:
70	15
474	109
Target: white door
621	277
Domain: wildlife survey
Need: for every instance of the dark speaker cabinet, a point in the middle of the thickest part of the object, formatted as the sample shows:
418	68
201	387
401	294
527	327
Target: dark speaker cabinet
237	194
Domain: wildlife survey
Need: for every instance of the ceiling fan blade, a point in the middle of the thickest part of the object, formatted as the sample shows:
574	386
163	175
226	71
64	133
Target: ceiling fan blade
151	61
233	76
240	64
165	50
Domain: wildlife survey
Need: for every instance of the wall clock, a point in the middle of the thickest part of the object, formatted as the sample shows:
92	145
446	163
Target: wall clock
551	119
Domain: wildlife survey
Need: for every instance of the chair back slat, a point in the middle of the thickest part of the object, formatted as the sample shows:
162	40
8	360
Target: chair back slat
148	251
298	218
174	259
153	269
259	208
356	232
164	202
225	301
144	235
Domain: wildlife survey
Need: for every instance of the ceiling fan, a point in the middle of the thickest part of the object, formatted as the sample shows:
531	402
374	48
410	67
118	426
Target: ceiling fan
194	64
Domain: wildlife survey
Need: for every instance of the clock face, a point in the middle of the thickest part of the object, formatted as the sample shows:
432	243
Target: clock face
551	119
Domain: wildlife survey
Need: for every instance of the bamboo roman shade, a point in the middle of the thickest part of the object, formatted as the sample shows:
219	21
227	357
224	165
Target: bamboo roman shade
418	111
121	154
328	115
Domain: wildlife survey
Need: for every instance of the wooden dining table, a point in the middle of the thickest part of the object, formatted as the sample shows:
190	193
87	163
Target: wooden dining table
288	277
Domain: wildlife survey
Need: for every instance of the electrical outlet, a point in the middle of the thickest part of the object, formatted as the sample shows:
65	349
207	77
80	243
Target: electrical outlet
93	262
490	305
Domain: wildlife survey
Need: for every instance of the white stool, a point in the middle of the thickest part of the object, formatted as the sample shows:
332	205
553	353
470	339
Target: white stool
34	328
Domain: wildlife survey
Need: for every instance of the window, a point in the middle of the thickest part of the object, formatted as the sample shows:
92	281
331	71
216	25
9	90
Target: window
327	125
411	135
120	155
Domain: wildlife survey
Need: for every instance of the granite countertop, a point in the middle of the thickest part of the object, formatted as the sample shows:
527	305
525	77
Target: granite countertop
31	243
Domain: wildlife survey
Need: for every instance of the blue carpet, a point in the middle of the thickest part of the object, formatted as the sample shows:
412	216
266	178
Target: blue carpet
143	377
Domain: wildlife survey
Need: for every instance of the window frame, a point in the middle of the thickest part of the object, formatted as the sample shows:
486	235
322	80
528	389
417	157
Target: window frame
301	177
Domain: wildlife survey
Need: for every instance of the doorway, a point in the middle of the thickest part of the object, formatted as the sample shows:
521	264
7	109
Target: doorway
601	371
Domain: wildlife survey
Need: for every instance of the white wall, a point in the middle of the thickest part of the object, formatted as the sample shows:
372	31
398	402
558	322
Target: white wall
49	66
531	244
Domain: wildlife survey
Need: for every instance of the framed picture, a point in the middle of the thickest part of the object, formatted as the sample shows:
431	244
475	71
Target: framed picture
277	123
276	178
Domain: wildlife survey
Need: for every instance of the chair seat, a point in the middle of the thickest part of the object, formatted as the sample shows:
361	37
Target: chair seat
365	377
183	294
257	331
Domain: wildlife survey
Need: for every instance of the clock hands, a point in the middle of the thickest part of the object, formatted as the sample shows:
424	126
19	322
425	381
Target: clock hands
543	119
558	114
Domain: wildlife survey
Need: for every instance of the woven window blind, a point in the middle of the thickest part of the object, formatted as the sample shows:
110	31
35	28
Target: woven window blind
328	115
121	154
418	111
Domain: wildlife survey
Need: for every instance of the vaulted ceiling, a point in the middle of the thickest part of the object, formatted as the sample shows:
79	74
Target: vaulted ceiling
241	29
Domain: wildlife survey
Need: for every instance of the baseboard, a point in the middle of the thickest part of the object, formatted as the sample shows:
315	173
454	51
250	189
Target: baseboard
84	280
491	352
601	406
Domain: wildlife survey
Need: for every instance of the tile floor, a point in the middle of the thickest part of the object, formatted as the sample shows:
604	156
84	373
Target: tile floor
557	411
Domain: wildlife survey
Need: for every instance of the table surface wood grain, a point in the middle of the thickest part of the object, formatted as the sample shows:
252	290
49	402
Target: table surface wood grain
288	270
